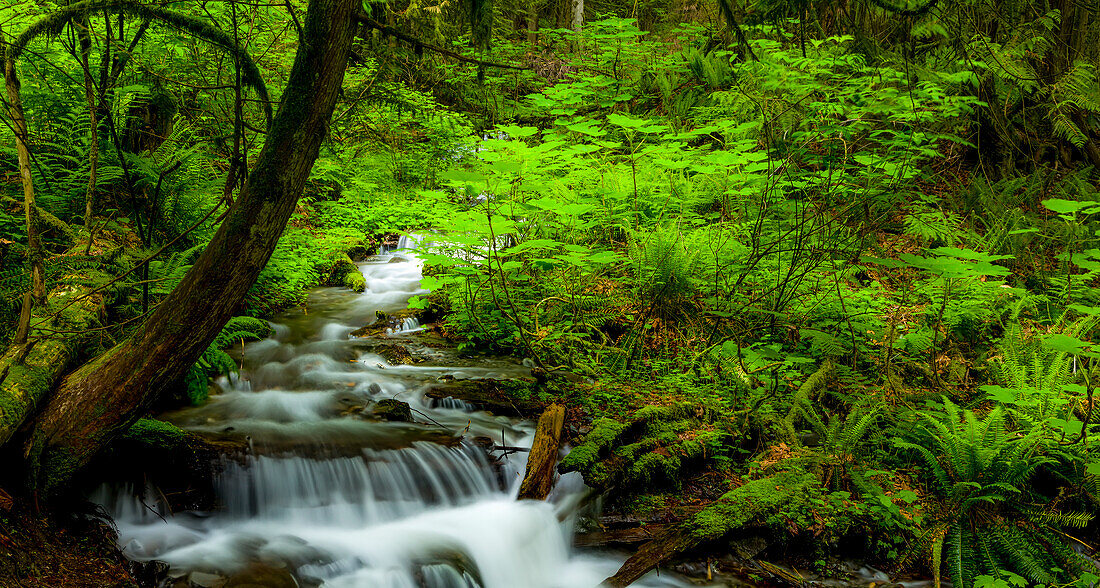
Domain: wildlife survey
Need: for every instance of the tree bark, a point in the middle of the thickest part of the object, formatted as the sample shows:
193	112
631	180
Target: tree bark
544	454
105	397
34	245
576	19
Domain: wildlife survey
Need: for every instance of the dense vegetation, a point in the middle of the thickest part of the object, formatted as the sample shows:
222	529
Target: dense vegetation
829	270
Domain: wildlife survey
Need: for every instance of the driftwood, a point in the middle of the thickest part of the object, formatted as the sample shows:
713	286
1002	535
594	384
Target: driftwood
544	454
669	544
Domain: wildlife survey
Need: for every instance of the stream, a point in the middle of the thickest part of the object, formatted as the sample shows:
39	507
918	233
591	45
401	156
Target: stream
332	498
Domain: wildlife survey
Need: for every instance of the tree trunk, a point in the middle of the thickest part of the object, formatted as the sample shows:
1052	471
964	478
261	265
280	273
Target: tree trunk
83	33
577	16
533	23
34	245
544	454
105	397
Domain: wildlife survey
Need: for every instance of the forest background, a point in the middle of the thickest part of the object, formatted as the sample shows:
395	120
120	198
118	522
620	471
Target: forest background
805	268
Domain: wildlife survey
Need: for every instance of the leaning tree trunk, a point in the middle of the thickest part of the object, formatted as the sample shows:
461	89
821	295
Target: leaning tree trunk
103	398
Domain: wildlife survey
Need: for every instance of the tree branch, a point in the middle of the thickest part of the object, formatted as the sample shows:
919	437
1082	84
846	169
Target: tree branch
370	22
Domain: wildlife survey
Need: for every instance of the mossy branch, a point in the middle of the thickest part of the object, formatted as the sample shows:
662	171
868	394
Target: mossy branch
250	73
418	44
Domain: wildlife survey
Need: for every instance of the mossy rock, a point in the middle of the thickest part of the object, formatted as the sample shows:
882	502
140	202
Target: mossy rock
355	281
345	273
183	465
393	410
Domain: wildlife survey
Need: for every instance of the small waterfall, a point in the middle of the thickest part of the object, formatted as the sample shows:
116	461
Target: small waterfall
408	325
344	500
356	491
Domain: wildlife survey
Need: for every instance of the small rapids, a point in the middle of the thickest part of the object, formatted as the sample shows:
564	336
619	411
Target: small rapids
342	501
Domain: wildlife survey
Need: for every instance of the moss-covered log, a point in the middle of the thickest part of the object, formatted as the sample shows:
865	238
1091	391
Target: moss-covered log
29	371
539	478
751	504
657	446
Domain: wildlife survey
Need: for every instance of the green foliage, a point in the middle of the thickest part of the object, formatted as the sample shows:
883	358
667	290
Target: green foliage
987	516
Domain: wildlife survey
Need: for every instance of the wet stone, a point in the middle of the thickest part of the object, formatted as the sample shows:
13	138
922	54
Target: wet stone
393	410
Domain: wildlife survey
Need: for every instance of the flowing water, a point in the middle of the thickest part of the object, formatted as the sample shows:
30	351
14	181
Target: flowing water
341	500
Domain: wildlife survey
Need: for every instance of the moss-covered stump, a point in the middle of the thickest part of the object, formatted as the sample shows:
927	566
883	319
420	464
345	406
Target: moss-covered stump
658	446
182	465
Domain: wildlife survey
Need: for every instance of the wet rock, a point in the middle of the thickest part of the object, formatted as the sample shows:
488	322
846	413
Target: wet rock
393	410
205	580
374	388
262	576
148	573
502	397
396	354
384	321
748	547
183	465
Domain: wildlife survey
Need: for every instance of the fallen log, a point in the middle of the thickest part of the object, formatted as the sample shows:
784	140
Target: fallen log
750	504
29	371
544	454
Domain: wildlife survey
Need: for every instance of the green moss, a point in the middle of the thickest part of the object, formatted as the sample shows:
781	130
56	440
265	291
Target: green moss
28	382
788	502
355	281
670	412
195	387
605	432
155	434
754	501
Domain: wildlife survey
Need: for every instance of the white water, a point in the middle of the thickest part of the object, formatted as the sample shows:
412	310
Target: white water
343	501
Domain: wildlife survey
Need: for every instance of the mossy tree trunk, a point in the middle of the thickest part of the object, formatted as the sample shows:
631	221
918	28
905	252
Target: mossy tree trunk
106	396
37	293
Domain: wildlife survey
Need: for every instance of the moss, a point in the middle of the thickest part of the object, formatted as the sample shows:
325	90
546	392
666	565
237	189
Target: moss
789	502
605	432
355	281
195	387
754	501
670	412
28	382
155	434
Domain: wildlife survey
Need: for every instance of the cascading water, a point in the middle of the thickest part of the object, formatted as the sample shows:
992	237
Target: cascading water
339	500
